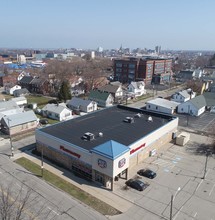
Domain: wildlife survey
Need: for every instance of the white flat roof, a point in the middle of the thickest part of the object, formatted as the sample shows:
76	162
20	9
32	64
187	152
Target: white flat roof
163	103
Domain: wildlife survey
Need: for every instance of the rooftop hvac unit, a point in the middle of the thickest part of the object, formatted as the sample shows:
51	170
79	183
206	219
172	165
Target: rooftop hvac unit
100	134
138	115
88	136
129	120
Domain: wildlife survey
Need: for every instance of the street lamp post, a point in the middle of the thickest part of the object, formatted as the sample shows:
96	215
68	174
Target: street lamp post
172	200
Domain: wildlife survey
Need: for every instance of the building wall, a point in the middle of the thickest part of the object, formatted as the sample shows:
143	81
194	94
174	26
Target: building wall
23	128
56	143
189	108
157	108
163	135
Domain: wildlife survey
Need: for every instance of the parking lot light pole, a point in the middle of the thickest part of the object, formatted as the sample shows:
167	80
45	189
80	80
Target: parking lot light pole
172	200
42	162
206	162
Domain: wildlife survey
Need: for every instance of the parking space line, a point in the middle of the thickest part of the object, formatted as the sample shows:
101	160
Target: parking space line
178	212
211	190
207	124
195	215
199	185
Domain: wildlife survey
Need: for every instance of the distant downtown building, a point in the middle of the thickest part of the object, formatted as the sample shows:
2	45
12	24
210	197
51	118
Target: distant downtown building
142	69
103	146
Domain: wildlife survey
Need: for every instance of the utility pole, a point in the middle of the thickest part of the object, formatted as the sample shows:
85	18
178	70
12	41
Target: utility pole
11	145
42	162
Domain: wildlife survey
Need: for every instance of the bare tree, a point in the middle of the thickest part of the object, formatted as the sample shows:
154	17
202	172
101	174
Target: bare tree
20	204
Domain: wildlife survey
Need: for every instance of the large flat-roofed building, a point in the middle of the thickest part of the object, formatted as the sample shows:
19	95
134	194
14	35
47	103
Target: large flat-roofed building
142	69
104	145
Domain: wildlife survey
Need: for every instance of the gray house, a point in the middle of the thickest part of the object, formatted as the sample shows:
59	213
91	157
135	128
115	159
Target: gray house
82	105
19	123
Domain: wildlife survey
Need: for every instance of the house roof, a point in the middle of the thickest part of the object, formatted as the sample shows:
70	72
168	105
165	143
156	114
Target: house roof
21	91
109	88
209	98
7	105
26	79
198	101
56	108
19	118
111	149
164	103
136	85
78	101
96	94
184	93
110	122
37	81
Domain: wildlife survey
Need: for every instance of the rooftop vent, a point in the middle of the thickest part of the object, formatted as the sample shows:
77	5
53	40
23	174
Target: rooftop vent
100	134
88	136
138	115
150	119
129	120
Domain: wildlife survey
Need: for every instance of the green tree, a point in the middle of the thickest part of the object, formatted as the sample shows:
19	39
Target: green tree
64	93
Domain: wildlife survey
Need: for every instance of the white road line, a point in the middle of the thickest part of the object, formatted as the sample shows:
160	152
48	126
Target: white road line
208	124
211	190
195	215
199	185
53	210
178	212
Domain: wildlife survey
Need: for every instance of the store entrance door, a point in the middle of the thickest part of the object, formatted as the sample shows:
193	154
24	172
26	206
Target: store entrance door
99	178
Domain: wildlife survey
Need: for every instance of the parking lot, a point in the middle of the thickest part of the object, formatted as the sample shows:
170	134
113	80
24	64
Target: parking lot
202	123
183	168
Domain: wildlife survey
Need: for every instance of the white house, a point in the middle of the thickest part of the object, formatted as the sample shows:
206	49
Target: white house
137	88
183	96
9	90
198	73
82	105
162	106
195	106
57	112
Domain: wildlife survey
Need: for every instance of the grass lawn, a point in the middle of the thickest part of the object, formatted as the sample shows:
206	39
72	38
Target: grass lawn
40	100
72	190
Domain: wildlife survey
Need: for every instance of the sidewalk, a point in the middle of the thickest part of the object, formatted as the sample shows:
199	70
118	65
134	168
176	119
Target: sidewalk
104	195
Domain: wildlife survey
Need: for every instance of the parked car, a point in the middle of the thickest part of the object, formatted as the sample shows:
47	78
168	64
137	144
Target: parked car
44	121
147	173
136	184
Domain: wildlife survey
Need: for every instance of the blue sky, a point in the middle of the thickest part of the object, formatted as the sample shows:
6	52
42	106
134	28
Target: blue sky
184	24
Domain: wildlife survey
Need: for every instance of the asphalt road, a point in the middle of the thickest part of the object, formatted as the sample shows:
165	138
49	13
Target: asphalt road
57	204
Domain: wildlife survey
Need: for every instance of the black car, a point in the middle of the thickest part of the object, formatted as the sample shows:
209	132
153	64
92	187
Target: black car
136	184
44	121
147	173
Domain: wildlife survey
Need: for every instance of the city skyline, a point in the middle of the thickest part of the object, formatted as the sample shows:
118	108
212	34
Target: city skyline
184	25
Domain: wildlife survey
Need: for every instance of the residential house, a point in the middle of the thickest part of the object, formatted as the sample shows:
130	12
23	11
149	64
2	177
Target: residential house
25	82
22	74
40	86
8	78
20	101
82	105
21	92
210	100
115	90
9	108
195	106
103	99
137	88
162	105
9	88
198	73
183	96
57	112
77	90
184	75
19	123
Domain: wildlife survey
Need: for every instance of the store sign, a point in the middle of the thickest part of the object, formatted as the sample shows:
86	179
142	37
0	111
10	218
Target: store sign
121	162
102	163
70	152
138	148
